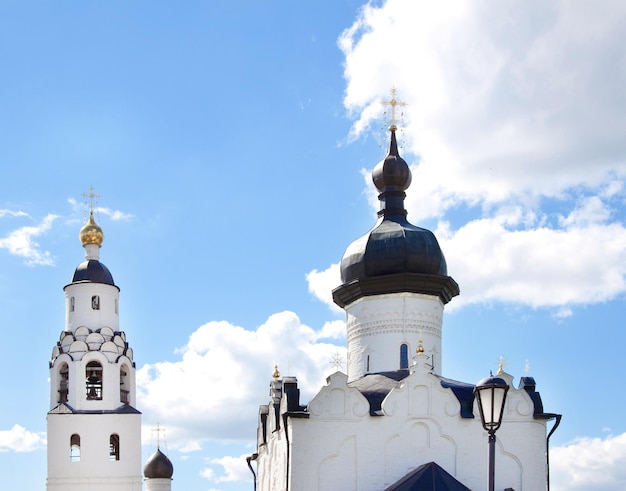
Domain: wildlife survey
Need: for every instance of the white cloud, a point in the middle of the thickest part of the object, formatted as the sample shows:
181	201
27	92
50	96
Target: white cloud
11	213
223	376
21	243
494	259
234	469
513	109
322	283
505	100
19	439
115	214
589	464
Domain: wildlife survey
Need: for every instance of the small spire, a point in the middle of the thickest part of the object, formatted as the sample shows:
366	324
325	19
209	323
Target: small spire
276	373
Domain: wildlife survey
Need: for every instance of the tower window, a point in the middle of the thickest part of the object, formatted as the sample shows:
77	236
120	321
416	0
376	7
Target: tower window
72	304
93	374
114	447
64	383
95	302
116	306
404	356
124	385
75	448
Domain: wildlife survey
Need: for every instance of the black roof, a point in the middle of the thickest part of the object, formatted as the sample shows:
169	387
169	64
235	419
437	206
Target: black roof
93	271
376	386
428	477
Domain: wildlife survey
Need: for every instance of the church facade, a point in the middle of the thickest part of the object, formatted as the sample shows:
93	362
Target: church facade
393	421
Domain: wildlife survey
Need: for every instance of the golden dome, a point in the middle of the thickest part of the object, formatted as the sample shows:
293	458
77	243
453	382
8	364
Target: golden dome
91	233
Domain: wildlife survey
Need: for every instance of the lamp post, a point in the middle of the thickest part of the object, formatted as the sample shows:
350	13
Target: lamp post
491	395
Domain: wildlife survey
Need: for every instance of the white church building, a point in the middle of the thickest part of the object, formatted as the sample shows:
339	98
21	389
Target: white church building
393	421
94	429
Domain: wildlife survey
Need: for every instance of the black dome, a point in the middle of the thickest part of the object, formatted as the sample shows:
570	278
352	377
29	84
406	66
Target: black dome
93	271
393	246
395	256
158	466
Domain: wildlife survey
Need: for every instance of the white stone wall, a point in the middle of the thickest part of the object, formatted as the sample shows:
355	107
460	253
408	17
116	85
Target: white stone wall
94	471
84	314
377	325
158	484
341	447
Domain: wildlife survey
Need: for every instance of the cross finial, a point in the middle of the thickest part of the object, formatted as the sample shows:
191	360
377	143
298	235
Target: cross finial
336	361
501	365
527	367
393	103
92	197
158	430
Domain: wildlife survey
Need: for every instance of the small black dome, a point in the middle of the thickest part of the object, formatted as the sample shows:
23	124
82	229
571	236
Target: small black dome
158	466
93	271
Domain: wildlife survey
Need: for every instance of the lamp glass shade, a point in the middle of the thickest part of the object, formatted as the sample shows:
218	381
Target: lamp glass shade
491	394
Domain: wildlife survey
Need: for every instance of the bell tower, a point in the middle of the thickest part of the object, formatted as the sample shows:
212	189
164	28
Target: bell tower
94	430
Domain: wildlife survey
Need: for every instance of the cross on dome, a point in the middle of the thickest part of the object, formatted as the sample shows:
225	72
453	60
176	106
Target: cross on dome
393	103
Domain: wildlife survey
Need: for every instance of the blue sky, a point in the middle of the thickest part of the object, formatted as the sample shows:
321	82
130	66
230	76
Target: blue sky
232	143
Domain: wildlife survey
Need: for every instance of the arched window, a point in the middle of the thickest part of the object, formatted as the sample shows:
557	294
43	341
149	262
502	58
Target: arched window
72	304
95	302
367	367
404	356
114	447
93	374
116	306
75	448
124	385
63	382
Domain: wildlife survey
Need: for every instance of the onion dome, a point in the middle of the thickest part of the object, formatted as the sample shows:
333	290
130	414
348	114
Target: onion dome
91	233
92	270
395	256
158	466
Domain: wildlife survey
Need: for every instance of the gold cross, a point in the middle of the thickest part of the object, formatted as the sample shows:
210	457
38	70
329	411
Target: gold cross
393	103
92	196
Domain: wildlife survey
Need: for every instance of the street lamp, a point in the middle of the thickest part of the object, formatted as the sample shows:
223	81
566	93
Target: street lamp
491	394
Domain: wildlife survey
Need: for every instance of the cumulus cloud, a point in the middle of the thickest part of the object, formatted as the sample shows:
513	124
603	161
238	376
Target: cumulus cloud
589	464
233	469
505	100
322	283
223	376
501	258
21	243
516	114
19	439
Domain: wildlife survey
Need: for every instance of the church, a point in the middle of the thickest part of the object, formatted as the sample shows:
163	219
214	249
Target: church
393	421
